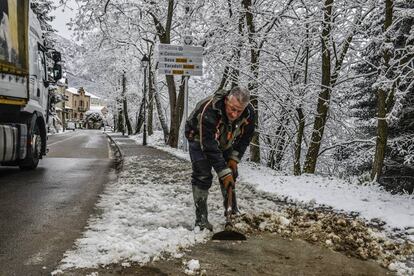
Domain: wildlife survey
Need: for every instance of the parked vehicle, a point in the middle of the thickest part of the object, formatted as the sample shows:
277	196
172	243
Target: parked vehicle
24	82
71	126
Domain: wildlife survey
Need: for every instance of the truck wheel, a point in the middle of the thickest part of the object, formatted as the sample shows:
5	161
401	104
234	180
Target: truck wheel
33	151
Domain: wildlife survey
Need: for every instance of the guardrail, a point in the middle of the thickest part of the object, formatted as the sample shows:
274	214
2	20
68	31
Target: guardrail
119	155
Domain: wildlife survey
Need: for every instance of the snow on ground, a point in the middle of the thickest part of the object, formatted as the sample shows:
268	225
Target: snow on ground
146	212
143	214
370	201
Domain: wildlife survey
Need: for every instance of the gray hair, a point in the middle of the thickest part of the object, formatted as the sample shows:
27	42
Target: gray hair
241	94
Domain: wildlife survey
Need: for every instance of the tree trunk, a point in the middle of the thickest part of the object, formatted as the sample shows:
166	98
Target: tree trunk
382	134
298	144
177	117
382	125
278	148
324	95
224	78
140	118
125	104
150	102
253	85
301	118
121	125
164	37
174	129
160	113
237	53
255	143
115	122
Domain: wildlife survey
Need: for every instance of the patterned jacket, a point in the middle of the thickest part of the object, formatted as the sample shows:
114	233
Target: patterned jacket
209	126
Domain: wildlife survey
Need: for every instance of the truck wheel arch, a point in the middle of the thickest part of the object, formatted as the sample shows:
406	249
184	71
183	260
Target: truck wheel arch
34	121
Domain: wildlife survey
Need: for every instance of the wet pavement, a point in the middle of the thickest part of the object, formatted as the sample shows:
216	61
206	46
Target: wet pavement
43	211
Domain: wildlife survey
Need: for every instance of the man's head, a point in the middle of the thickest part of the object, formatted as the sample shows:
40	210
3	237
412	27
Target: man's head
236	101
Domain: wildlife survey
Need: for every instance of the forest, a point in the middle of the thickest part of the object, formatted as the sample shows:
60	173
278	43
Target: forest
332	81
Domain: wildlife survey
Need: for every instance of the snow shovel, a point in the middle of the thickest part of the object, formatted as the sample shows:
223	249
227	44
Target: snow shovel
228	234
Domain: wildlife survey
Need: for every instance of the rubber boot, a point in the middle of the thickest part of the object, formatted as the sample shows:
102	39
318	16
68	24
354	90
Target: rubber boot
234	208
200	202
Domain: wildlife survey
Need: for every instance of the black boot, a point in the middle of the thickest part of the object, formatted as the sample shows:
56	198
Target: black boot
234	208
200	202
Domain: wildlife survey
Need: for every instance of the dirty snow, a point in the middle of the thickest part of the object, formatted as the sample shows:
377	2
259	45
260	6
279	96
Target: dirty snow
193	266
144	216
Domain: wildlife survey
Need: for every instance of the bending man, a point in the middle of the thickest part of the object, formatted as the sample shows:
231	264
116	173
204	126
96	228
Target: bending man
218	130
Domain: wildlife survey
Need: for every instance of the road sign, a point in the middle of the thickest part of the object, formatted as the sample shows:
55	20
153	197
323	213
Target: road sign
182	72
188	60
187	66
183	60
180	48
164	53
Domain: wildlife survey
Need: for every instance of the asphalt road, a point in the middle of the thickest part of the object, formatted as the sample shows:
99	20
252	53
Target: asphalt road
43	211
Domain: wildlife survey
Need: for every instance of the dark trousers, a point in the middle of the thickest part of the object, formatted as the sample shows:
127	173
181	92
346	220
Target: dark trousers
201	176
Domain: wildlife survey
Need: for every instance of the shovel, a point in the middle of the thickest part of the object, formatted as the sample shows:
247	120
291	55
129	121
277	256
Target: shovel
228	234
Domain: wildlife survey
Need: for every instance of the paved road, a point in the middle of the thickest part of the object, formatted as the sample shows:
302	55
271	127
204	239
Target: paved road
43	211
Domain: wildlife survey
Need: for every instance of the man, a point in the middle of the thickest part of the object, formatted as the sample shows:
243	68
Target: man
218	130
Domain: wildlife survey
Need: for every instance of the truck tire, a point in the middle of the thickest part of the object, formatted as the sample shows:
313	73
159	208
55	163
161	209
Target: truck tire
33	149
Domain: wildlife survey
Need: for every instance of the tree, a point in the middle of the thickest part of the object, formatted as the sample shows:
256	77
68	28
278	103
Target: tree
42	9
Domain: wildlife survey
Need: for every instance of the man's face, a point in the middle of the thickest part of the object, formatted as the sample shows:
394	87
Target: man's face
233	108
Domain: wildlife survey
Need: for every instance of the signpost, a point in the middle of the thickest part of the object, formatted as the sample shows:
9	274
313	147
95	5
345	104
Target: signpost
182	60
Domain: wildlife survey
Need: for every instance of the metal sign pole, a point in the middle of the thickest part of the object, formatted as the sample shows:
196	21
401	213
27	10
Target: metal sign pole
187	41
185	144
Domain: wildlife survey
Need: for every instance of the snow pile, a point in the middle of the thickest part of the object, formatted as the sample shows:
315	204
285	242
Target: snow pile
144	214
371	202
337	231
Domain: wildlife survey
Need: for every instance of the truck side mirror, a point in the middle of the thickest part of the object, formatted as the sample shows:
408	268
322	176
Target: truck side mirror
56	56
57	72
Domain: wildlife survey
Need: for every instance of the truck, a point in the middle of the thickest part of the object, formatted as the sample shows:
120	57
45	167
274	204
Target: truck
27	69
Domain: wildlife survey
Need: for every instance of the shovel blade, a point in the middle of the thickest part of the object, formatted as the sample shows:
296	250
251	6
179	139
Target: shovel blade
229	235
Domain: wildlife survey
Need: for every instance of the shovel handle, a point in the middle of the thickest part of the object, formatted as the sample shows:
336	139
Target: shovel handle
229	206
229	197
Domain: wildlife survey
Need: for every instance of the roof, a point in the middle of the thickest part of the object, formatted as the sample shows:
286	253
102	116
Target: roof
74	90
91	95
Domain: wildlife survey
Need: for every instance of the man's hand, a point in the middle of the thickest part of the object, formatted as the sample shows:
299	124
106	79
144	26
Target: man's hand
227	181
232	164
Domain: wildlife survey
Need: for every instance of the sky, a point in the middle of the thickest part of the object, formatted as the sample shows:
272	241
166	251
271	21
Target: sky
62	17
146	213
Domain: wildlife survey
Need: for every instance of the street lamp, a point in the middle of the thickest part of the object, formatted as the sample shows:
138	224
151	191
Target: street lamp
144	63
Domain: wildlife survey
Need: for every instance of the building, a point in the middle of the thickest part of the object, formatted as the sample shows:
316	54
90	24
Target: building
77	103
81	103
